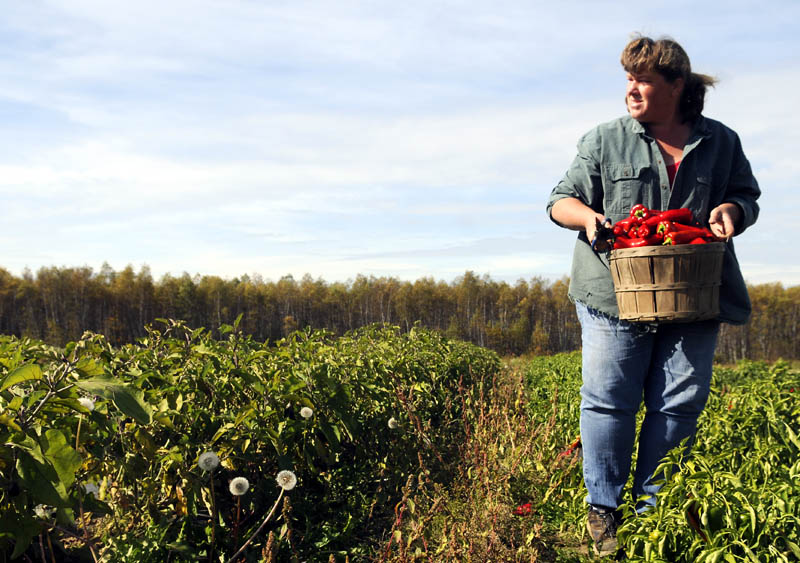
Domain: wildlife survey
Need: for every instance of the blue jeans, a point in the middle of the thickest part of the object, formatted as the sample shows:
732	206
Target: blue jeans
667	365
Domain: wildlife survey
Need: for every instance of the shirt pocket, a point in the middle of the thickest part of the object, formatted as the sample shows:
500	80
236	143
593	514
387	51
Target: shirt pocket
624	184
705	195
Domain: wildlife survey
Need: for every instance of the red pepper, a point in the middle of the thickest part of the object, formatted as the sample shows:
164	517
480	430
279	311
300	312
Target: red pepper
699	240
625	242
680	227
653	220
641	211
623	225
523	509
572	448
621	242
644	231
664	227
682	215
683	237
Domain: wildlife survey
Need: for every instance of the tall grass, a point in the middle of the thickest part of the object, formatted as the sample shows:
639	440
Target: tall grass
514	480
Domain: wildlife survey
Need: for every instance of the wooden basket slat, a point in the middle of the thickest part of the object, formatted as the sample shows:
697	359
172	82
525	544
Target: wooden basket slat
668	283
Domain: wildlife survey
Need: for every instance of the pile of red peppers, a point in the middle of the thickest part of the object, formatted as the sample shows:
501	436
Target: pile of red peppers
523	509
650	227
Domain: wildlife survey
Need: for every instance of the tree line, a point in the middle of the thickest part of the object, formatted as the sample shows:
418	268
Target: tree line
530	316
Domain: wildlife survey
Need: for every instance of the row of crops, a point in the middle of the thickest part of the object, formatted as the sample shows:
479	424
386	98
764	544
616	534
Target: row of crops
736	498
184	447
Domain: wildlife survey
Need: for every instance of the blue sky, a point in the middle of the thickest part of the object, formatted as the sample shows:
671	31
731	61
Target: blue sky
404	139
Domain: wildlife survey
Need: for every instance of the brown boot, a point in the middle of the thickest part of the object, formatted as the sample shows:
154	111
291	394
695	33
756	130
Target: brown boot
602	527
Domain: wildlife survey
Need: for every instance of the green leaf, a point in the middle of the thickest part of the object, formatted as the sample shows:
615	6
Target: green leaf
41	480
65	460
89	367
66	515
130	401
204	350
221	432
753	519
23	529
164	420
10	422
68	403
747	550
242	416
794	547
332	434
792	436
28	372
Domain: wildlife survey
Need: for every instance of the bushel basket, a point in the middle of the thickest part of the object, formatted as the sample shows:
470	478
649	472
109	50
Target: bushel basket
668	283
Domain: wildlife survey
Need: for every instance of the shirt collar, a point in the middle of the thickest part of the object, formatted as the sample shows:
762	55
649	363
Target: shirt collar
637	127
700	128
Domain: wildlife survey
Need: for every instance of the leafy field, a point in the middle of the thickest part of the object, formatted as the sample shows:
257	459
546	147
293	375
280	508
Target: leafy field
741	483
375	446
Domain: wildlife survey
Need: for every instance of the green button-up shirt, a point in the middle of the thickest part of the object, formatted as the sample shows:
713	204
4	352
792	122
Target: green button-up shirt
618	165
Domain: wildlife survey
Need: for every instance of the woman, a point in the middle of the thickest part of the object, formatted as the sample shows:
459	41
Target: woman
665	154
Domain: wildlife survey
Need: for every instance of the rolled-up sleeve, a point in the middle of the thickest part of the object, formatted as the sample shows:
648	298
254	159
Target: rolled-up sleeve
582	180
743	188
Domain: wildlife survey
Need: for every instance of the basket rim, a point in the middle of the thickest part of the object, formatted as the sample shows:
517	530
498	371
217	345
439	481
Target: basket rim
668	250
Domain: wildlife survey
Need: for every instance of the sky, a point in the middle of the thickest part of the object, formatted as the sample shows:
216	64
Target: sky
404	139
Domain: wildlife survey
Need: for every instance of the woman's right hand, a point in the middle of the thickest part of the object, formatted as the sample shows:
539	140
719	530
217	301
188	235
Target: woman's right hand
598	221
592	224
573	214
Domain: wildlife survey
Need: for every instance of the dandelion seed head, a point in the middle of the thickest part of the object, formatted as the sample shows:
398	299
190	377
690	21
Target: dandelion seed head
87	403
43	511
306	412
239	486
286	480
208	461
393	424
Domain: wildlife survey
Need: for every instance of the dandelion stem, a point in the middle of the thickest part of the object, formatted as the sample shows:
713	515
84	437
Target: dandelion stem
50	545
78	432
86	538
236	523
213	520
261	527
41	547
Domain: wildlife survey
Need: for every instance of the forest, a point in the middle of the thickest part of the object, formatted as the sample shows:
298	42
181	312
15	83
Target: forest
57	304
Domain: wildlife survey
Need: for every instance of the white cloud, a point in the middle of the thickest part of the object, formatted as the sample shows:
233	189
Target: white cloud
228	137
759	272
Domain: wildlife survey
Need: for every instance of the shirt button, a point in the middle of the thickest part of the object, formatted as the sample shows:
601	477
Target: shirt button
663	186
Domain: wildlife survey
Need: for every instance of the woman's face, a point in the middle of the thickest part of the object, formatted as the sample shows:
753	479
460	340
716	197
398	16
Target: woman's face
651	99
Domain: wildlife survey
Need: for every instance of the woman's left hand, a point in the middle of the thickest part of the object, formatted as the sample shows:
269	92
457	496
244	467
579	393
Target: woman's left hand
723	218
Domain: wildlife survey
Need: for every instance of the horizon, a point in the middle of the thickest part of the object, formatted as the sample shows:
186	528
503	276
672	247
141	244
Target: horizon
408	141
199	276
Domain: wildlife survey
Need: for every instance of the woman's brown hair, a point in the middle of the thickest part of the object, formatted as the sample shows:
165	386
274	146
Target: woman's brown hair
667	57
